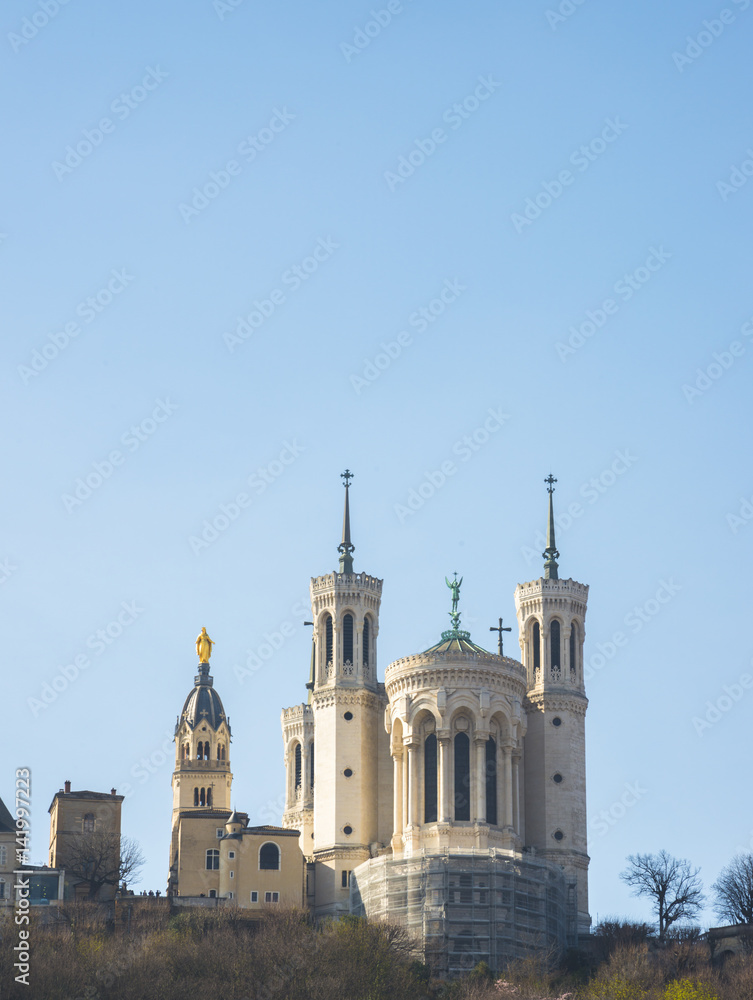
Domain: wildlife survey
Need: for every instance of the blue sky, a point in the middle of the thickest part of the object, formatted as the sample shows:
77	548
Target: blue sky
222	223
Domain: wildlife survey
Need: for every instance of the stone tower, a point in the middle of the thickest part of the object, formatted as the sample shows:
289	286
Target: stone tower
202	785
551	618
339	779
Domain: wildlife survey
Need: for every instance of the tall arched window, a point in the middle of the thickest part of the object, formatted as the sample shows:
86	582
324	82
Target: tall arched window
430	779
536	642
269	857
462	777
203	797
555	649
491	781
311	765
298	765
573	649
209	797
328	639
206	751
366	641
89	823
348	639
196	796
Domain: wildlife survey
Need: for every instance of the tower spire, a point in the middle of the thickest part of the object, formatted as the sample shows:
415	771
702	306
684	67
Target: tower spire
550	553
346	547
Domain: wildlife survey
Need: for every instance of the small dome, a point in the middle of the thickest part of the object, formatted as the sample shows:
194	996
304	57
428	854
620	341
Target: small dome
203	704
456	641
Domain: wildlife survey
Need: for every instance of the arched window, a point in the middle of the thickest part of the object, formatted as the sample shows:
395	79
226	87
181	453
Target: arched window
328	639
89	823
196	796
203	797
430	779
206	751
366	641
220	751
555	649
491	781
573	650
462	777
348	639
209	797
199	751
269	857
298	766
311	765
536	642
213	860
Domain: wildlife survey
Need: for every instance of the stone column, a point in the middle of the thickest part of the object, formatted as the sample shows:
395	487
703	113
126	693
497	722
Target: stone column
304	770
443	812
411	745
508	784
397	771
516	790
480	797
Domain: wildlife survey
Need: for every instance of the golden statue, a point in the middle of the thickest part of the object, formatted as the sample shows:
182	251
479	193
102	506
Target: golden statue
204	646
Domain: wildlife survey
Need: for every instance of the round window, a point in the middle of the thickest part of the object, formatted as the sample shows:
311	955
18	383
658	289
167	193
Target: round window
556	721
347	830
348	773
559	835
348	716
557	777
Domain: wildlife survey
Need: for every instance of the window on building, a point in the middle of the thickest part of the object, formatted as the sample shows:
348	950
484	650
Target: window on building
298	766
220	751
212	893
269	857
328	638
462	777
209	796
430	779
89	823
196	796
536	643
366	641
203	797
3	854
311	765
232	874
213	860
555	648
254	896
230	895
345	878
220	832
348	639
2	888
231	854
491	781
573	649
271	897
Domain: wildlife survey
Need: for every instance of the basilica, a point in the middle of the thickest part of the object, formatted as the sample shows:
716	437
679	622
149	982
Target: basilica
449	797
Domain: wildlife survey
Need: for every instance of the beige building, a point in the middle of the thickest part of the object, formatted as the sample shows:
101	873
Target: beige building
7	855
78	818
460	781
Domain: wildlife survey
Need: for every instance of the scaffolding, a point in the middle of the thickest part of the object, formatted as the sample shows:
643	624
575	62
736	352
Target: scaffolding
467	906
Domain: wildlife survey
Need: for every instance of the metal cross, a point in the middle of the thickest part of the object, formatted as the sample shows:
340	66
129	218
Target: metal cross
346	477
551	481
499	629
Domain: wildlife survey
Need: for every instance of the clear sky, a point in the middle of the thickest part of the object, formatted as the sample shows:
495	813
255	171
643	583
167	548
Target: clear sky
246	245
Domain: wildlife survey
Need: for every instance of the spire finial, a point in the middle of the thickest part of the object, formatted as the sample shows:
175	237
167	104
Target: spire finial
550	553
346	547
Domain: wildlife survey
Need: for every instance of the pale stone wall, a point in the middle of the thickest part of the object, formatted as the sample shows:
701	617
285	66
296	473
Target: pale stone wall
247	875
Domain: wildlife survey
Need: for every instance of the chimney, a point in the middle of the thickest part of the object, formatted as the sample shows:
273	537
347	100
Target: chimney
67	786
112	791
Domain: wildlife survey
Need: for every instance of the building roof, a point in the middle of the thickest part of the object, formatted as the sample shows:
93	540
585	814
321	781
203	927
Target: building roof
456	641
7	823
203	704
93	796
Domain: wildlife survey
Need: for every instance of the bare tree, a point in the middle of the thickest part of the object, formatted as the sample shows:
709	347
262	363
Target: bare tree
734	891
100	858
671	882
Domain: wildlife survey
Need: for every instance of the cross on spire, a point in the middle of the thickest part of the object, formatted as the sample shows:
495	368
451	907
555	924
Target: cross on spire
551	481
498	628
550	553
346	547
